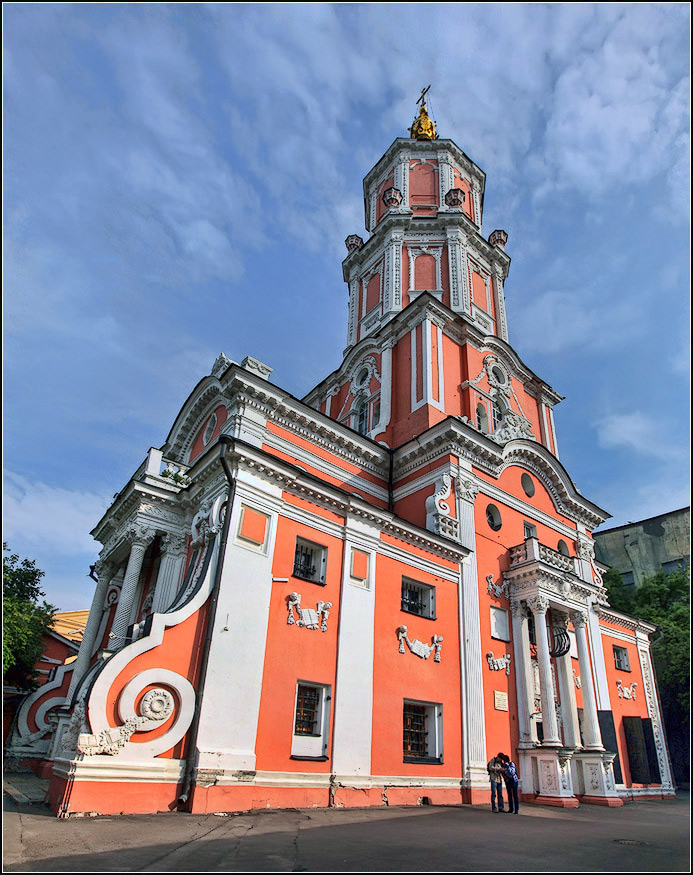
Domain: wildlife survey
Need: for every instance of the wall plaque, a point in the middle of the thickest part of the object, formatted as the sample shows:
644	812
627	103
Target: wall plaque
500	700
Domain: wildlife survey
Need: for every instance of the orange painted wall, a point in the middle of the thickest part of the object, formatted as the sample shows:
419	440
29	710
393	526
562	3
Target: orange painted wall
468	197
373	293
380	208
398	676
624	707
423	187
294	653
425	272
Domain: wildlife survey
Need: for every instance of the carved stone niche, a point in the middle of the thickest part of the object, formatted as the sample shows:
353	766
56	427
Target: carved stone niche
498	238
455	198
392	197
353	241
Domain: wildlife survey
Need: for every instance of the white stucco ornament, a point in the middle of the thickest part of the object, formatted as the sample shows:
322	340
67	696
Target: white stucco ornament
501	663
418	648
496	589
626	692
309	618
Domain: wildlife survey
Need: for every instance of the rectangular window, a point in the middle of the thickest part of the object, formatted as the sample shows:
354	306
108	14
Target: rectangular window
573	644
499	624
621	660
418	598
530	531
423	732
311	721
310	561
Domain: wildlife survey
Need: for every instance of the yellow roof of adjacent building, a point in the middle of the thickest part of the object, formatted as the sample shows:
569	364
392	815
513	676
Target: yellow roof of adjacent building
70	624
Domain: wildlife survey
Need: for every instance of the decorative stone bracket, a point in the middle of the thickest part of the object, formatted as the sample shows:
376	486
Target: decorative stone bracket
498	664
438	519
626	692
497	590
418	648
309	618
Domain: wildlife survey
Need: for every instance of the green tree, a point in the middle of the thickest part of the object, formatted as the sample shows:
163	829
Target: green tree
26	616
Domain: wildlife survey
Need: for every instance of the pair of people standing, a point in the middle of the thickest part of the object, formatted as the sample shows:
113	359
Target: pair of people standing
501	769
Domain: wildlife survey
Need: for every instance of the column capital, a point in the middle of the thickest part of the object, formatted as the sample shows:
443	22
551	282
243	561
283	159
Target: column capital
173	544
579	619
517	609
104	569
538	604
466	489
140	533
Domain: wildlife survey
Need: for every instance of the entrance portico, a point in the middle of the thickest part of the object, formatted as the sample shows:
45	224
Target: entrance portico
569	761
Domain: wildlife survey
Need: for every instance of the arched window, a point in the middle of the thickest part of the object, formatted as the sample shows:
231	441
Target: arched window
496	412
481	418
362	416
563	548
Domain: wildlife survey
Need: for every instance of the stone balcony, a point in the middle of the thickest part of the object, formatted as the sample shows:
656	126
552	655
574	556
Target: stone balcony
532	550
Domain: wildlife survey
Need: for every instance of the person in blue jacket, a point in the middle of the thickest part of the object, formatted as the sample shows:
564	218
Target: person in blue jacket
511	780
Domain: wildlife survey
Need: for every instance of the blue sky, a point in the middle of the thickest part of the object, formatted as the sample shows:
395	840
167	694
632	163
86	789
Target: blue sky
179	180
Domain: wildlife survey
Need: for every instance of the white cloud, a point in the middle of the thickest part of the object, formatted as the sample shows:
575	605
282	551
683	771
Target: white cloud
638	432
48	518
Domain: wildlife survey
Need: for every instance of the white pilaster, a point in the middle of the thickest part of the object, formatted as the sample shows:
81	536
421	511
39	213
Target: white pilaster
237	651
501	321
385	386
654	710
351	754
170	567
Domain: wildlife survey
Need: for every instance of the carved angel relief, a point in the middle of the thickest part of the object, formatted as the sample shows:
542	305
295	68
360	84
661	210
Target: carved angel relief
502	663
626	692
497	590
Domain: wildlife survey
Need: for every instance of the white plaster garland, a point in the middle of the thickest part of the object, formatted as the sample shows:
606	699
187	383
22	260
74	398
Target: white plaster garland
501	663
576	680
418	648
309	618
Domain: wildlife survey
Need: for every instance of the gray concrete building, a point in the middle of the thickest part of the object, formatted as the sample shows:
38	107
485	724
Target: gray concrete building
639	550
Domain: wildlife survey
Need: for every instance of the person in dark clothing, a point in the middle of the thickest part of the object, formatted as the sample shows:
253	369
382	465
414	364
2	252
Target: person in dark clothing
509	773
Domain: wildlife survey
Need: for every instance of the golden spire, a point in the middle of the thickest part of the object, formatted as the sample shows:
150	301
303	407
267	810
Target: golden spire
423	127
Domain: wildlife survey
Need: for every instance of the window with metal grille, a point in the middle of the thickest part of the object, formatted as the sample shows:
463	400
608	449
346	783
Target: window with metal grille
415	731
621	660
422	734
307	705
309	561
418	598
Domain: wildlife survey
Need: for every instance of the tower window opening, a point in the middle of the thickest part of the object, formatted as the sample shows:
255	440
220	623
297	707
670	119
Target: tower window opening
481	418
362	417
497	414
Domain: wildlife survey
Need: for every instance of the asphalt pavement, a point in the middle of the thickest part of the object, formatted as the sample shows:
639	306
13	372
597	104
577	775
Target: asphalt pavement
639	837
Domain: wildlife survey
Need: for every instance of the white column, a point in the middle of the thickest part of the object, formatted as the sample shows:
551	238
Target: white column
591	733
522	672
566	685
104	572
172	554
141	537
539	606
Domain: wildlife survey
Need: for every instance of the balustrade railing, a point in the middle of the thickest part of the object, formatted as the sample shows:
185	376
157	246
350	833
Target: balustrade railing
532	549
553	557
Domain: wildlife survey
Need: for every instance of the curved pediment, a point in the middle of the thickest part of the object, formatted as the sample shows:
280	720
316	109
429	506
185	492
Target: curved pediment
200	403
545	466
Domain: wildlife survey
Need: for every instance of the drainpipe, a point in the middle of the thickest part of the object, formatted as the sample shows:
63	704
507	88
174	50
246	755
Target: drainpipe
188	783
390	496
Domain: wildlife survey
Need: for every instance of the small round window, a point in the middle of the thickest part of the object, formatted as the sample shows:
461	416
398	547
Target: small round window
563	548
527	485
493	517
362	377
498	375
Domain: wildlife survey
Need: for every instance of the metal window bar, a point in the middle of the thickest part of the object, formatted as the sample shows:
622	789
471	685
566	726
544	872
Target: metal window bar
307	701
559	640
413	599
304	562
415	731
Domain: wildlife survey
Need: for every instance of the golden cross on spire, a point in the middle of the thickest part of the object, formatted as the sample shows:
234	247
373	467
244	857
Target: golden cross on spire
423	127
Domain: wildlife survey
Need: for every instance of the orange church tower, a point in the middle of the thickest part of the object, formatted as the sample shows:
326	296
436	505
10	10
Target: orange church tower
359	597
